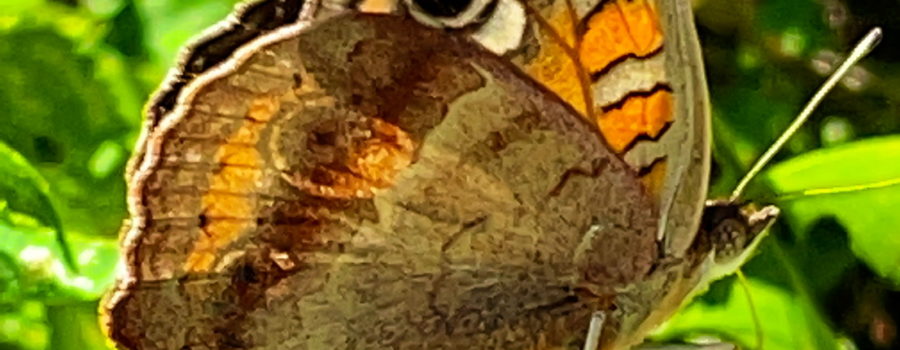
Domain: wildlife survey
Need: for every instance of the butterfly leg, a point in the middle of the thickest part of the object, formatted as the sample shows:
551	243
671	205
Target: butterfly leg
592	340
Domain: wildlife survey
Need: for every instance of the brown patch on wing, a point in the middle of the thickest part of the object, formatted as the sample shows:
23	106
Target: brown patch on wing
365	164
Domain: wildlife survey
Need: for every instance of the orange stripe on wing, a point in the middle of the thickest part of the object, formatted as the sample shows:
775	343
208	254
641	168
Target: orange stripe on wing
615	31
620	29
554	65
638	114
654	177
240	176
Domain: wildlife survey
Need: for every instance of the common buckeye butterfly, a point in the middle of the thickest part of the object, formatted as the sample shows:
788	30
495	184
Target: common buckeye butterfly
483	174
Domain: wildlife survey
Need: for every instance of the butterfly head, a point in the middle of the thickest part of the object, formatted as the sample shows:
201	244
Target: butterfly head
730	232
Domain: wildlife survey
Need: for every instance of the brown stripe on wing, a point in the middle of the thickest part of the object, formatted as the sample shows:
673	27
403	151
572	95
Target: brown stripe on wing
596	75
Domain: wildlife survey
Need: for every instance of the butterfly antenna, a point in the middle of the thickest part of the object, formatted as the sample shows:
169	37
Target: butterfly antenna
861	50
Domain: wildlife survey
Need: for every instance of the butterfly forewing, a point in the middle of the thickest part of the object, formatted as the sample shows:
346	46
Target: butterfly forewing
363	181
633	68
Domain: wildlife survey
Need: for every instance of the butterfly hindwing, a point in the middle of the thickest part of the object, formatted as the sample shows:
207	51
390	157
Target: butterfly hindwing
363	181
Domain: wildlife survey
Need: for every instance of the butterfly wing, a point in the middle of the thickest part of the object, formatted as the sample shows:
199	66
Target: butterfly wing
633	68
209	50
687	187
367	182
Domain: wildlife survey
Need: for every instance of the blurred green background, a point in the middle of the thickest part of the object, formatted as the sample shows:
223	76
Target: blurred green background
75	74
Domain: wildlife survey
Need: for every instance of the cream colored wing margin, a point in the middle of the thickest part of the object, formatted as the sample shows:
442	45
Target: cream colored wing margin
685	146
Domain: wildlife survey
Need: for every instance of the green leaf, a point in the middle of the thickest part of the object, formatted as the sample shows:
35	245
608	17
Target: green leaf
866	178
786	323
42	304
58	112
25	191
109	157
104	8
796	23
43	275
15	7
24	328
75	327
787	314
